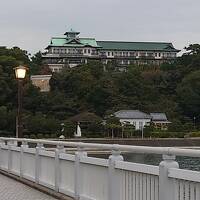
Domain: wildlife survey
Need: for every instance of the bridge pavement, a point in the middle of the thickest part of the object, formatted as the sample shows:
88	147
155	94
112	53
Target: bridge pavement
13	190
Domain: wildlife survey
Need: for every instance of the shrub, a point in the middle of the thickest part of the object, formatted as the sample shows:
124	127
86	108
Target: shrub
40	124
47	136
167	134
40	136
53	135
33	136
148	130
194	134
176	126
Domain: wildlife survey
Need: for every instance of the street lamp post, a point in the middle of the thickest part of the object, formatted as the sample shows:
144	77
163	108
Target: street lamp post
20	74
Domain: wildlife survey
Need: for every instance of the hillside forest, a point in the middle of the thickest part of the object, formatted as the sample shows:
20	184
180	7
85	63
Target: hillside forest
170	88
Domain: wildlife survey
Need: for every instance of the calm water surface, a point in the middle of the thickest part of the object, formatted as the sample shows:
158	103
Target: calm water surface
154	159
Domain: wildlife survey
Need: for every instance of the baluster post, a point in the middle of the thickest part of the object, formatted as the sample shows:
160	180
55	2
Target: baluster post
78	178
23	146
2	142
113	176
39	147
60	149
166	184
10	144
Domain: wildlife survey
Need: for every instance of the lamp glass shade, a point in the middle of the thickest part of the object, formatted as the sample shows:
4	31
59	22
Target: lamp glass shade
20	72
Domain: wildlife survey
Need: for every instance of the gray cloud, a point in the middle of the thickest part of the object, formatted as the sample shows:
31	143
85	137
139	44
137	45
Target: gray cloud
30	24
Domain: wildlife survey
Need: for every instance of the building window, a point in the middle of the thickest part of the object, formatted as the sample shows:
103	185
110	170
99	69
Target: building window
88	51
108	53
173	55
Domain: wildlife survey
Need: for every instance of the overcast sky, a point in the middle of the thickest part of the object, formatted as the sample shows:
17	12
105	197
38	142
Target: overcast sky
30	24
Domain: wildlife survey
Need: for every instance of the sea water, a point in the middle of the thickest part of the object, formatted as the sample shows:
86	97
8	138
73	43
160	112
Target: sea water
154	159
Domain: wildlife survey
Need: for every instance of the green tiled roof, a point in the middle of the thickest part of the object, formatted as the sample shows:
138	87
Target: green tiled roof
58	41
139	46
89	41
112	45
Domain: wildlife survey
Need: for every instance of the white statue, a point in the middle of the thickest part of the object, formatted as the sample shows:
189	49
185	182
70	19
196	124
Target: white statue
78	131
62	137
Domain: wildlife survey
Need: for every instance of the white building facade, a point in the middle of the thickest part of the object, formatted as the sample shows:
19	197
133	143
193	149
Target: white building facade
134	117
42	82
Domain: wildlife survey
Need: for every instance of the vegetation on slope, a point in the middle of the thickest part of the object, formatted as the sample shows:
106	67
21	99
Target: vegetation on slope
171	88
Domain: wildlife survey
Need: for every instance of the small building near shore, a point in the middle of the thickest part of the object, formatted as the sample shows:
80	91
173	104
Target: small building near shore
89	123
85	118
135	117
160	120
42	82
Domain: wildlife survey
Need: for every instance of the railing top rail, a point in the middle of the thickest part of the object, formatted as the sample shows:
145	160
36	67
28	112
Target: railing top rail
128	148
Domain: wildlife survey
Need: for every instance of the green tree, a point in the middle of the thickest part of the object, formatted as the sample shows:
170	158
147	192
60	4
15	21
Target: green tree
189	94
41	124
193	49
113	126
36	63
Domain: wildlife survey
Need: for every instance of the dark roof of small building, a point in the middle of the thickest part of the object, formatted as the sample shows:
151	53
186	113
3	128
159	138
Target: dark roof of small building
85	117
158	117
72	31
131	114
138	46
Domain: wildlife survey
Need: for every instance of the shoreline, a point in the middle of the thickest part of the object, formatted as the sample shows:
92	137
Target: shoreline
155	142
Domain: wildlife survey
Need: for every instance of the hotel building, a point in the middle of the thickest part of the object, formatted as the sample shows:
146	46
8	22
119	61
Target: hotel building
72	50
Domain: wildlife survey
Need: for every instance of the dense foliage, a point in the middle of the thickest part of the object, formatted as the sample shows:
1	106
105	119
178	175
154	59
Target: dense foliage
170	88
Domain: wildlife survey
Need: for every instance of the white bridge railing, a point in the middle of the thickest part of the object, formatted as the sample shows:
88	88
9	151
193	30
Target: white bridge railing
89	178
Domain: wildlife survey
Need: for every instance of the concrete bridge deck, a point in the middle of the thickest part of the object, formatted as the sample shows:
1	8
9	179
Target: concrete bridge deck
11	189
